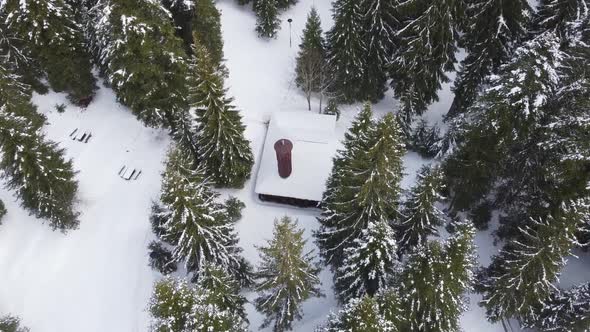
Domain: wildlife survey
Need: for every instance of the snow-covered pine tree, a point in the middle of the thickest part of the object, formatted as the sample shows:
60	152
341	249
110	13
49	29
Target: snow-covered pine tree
223	150
494	28
503	133
566	311
434	280
556	15
36	169
346	48
176	306
391	307
16	57
136	48
379	29
369	263
189	219
224	290
359	315
184	132
2	211
520	279
207	29
268	22
426	139
364	188
161	258
287	276
50	31
11	324
425	51
285	4
356	141
183	17
32	165
311	59
421	217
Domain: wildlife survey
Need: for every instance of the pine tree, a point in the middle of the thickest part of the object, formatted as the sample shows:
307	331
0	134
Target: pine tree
434	280
286	277
223	150
556	15
56	41
183	16
516	142
11	324
425	139
520	279
379	28
2	211
285	4
566	311
207	30
364	187
359	315
32	165
16	56
494	29
161	258
142	59
356	141
189	219
369	263
224	290
268	22
426	50
311	59
421	216
176	306
346	48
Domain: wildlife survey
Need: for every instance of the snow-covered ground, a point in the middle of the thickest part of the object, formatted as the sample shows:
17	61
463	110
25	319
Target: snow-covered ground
96	279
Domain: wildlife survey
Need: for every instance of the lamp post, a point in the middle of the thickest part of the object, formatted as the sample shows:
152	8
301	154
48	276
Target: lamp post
290	21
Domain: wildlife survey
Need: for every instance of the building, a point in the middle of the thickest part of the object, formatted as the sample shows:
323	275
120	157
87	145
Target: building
297	158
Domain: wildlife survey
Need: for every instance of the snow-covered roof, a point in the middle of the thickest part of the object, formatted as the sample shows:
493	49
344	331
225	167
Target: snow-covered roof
314	146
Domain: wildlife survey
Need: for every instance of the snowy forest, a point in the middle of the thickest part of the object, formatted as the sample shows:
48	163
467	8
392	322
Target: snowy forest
132	144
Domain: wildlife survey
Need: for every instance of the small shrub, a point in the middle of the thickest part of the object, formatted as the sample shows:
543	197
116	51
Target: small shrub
234	209
332	108
2	211
11	324
60	108
161	258
424	139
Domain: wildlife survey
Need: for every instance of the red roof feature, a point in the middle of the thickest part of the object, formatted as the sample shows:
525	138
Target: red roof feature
283	148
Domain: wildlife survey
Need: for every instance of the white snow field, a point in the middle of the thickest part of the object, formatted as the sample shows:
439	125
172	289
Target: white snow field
97	278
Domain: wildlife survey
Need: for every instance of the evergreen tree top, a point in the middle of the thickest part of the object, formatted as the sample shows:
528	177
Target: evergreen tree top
495	24
176	305
312	33
287	238
223	290
559	15
384	162
36	15
520	278
525	84
286	276
356	138
359	315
